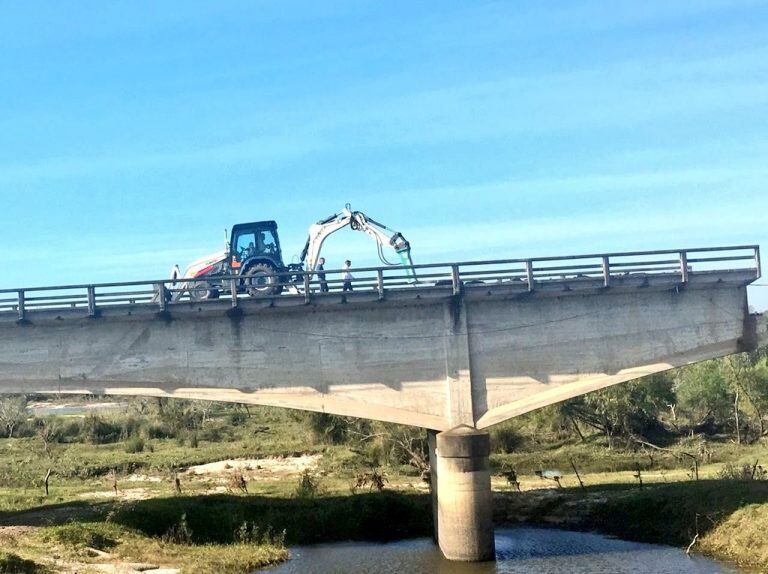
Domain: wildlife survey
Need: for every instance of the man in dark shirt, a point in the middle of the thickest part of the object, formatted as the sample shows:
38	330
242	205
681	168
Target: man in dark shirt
320	269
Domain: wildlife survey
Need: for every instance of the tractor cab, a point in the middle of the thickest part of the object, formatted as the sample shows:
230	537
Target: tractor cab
256	242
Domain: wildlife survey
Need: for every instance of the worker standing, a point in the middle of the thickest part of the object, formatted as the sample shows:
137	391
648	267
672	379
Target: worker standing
320	268
346	275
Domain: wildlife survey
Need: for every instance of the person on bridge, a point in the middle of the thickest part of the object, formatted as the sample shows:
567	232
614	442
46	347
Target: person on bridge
347	276
320	268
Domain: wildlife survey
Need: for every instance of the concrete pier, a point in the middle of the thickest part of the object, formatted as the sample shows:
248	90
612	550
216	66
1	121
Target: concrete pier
462	494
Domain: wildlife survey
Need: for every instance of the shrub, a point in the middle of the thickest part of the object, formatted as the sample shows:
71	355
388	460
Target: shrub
308	486
78	535
96	430
134	445
13	564
504	439
179	533
743	472
238	418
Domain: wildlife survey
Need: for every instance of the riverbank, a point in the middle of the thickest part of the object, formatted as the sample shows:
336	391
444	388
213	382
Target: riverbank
724	519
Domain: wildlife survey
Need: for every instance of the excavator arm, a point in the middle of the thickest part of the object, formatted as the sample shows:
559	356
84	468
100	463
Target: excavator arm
358	221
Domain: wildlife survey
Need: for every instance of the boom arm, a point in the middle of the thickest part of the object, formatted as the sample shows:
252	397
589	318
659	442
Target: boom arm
358	221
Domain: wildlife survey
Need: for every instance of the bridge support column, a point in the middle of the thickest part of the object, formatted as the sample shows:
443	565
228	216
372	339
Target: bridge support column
462	489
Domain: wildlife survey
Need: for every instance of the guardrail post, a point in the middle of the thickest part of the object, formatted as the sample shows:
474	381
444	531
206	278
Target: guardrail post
307	294
21	308
233	290
758	266
606	271
380	283
162	293
455	279
684	266
529	274
91	301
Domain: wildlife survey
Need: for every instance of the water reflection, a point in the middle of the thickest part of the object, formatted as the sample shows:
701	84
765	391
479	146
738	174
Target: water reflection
523	550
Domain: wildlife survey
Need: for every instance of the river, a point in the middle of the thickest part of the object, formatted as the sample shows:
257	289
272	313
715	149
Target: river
521	550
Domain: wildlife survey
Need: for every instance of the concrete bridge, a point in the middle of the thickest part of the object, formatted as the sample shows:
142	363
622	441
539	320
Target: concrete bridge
469	346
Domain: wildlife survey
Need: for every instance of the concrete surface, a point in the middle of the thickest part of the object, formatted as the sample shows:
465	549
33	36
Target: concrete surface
434	360
464	520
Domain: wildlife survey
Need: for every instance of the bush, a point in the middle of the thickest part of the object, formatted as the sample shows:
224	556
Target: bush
504	439
309	485
13	564
134	445
96	430
159	431
743	472
179	533
238	418
79	535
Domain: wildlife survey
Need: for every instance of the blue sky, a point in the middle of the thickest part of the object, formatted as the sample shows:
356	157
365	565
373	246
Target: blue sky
133	133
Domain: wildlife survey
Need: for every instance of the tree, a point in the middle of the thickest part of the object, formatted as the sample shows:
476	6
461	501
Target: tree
629	410
747	376
13	412
703	394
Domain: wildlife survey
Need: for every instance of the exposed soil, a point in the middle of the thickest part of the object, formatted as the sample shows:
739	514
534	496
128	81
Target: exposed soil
274	468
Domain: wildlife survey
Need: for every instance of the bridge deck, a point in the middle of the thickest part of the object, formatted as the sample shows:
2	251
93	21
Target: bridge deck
505	277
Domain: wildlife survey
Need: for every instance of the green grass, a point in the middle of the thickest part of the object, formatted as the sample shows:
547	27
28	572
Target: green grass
79	535
72	539
741	537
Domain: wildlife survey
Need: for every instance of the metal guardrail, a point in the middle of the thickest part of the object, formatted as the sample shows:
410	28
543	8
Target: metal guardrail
530	273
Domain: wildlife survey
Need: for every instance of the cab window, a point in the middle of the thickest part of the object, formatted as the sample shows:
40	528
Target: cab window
245	246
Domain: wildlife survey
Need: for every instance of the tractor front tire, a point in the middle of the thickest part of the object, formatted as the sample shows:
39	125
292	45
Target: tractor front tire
261	280
202	291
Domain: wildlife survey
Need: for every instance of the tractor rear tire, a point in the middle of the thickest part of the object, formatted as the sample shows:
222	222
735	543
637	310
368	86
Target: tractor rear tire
261	280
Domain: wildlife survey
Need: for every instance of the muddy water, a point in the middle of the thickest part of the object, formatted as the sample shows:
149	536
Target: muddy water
523	550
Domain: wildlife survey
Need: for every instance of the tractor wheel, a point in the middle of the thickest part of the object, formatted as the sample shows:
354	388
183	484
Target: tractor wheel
202	291
260	280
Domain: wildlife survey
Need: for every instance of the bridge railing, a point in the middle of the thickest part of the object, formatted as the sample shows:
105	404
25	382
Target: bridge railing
525	274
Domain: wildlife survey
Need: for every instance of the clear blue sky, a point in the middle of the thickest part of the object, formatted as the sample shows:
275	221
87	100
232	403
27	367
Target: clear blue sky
132	133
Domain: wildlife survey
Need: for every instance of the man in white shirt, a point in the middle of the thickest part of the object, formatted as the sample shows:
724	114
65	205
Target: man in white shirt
347	276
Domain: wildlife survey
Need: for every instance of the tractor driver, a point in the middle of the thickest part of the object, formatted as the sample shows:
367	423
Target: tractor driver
267	245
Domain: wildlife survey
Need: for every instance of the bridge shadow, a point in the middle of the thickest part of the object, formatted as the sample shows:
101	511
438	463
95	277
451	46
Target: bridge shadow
219	518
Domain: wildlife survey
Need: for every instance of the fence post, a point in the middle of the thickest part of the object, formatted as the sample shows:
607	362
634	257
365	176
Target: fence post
606	271
529	274
380	283
233	290
307	294
455	279
684	266
91	301
162	293
22	310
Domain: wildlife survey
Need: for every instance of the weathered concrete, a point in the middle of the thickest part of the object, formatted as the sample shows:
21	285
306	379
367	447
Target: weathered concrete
464	517
429	360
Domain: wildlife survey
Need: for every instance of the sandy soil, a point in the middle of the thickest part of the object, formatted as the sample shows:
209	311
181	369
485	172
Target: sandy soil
258	468
122	494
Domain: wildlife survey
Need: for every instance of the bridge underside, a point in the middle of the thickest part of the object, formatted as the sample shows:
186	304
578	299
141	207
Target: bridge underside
431	359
